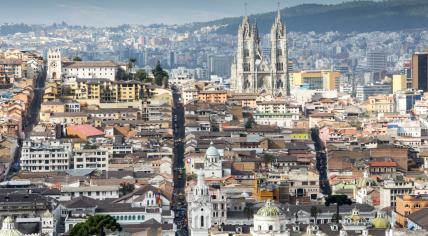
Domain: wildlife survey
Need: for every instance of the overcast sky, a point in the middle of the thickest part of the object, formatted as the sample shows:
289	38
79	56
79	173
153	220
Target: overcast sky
115	12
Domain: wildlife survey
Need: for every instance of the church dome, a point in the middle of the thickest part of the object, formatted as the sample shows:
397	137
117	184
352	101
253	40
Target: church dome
270	210
380	223
366	181
8	228
212	151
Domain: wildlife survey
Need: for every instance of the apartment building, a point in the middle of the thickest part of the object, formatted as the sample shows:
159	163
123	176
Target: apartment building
46	155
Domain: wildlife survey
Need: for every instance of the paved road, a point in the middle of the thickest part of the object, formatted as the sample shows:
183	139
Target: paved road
321	165
179	200
30	120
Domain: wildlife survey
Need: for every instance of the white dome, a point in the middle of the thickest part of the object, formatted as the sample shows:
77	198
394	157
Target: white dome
8	228
212	151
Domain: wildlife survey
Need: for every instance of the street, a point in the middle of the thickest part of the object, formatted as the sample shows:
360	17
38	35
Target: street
30	120
179	199
321	162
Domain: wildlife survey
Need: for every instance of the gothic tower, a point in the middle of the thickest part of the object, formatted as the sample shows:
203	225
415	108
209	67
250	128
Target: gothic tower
54	64
279	56
250	72
200	208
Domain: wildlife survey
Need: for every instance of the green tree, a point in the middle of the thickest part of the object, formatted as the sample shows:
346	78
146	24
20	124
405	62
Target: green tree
160	75
122	75
268	158
96	225
339	200
315	211
130	66
248	211
76	58
141	75
126	188
250	122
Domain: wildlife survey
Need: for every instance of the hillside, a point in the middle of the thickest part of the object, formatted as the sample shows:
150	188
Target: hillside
357	16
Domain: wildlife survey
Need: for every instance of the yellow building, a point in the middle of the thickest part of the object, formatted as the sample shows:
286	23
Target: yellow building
321	79
381	104
399	83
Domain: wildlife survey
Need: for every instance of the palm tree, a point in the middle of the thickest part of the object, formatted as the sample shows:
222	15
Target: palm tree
314	212
131	65
95	225
339	200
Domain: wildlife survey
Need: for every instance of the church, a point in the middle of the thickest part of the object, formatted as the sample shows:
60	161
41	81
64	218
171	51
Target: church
251	72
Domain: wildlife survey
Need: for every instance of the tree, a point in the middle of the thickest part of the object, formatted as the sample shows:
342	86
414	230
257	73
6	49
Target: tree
96	225
160	75
248	211
131	65
250	122
76	58
314	212
339	200
141	75
122	75
268	158
126	188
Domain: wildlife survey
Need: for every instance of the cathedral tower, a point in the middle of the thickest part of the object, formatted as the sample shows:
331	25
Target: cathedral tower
200	208
279	56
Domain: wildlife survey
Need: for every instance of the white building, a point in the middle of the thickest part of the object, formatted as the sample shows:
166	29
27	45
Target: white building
92	191
44	156
91	159
269	220
58	68
213	164
393	187
200	208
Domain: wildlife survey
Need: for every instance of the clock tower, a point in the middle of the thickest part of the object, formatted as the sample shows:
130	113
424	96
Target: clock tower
54	64
212	163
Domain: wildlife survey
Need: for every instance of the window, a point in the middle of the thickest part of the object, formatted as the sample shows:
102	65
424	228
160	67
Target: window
202	221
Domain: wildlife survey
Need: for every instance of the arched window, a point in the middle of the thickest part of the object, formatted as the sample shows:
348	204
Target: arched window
202	221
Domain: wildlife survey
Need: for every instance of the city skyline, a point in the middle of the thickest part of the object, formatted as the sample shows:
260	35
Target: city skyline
112	13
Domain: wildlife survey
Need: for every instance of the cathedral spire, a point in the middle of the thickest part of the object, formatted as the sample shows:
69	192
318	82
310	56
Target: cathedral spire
278	14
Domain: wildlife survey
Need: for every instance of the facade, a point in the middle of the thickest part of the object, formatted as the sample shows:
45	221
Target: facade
91	159
213	163
251	72
420	71
408	204
10	70
380	104
365	91
399	83
393	188
200	208
316	80
45	156
58	69
213	96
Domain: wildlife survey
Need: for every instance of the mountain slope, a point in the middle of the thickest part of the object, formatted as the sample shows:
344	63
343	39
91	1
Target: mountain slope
357	16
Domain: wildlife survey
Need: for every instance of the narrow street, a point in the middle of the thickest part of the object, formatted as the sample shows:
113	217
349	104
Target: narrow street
179	199
321	162
29	121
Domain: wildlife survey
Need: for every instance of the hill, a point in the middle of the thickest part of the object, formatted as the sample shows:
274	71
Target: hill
356	16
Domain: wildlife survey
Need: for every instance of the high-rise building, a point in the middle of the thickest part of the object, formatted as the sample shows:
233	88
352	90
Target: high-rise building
326	80
251	72
376	61
220	65
420	71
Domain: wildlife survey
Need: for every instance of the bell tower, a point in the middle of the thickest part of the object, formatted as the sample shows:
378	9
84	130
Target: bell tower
200	208
54	65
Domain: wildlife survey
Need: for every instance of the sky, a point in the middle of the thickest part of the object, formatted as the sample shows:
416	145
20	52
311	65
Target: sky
116	12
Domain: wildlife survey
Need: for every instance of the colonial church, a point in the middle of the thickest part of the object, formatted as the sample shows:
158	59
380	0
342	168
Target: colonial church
251	72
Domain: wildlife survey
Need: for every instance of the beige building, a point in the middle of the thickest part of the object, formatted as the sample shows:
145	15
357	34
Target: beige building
315	80
399	83
381	104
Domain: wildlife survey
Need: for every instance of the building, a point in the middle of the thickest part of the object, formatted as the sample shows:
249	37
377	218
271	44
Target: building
213	96
408	204
420	71
399	83
220	65
381	104
57	68
212	163
392	188
91	159
200	208
10	70
365	91
45	156
269	220
376	61
406	100
316	80
251	72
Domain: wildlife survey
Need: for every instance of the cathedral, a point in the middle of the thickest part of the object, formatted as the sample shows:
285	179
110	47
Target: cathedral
250	71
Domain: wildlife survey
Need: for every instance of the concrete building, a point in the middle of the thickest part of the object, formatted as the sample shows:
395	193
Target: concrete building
399	83
316	80
393	188
365	91
45	156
